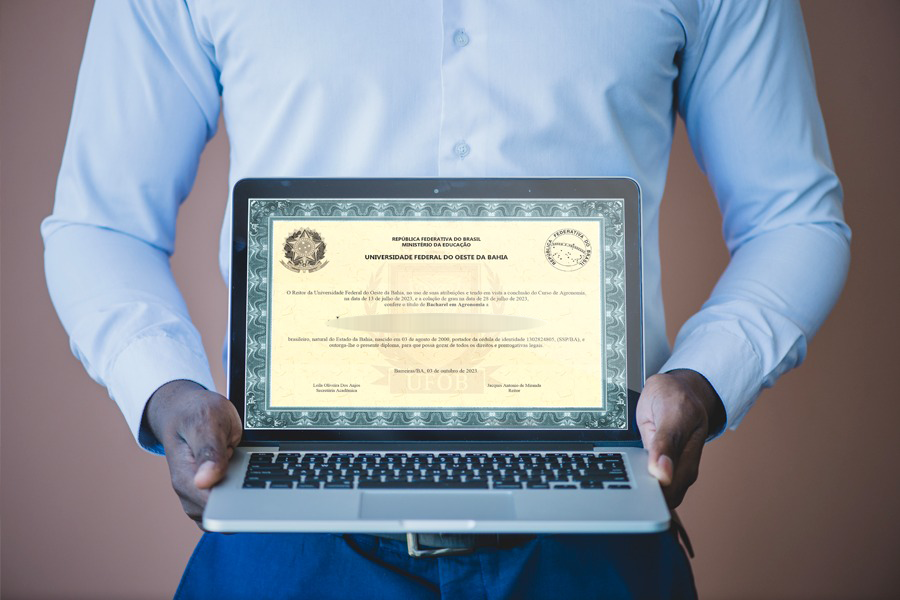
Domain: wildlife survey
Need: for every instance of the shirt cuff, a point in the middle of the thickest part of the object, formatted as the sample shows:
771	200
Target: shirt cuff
141	368
728	362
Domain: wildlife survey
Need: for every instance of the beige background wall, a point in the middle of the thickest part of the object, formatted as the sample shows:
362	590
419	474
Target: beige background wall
801	502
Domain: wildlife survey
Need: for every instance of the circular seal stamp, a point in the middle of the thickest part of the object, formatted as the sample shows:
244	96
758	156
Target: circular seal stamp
567	249
305	251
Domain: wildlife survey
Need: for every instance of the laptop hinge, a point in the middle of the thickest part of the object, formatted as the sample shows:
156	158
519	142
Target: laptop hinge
438	446
619	444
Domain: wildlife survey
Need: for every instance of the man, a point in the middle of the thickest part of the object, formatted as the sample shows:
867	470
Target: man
444	89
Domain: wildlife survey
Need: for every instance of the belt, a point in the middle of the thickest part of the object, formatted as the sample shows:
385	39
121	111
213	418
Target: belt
425	545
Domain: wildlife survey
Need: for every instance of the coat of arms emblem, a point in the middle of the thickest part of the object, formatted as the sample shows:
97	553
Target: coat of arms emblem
305	251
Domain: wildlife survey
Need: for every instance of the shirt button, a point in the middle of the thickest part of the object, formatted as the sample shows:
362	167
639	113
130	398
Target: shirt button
461	38
462	149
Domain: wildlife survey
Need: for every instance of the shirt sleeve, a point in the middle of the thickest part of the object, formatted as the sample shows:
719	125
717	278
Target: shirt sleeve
747	96
146	103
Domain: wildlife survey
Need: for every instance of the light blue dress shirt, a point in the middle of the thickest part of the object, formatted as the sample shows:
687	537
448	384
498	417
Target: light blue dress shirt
460	88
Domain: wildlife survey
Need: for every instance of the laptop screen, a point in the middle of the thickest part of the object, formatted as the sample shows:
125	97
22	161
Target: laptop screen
417	314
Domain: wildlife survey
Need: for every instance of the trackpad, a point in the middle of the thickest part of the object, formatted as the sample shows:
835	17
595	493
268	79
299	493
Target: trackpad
444	505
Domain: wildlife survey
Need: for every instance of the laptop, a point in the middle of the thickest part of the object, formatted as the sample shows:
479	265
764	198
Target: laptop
415	356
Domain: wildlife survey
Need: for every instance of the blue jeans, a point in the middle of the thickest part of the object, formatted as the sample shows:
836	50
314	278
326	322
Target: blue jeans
275	566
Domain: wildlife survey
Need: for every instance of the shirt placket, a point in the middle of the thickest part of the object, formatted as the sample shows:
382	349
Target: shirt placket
463	148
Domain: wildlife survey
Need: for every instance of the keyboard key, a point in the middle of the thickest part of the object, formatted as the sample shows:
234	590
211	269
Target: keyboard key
598	476
255	484
591	485
280	478
423	485
421	479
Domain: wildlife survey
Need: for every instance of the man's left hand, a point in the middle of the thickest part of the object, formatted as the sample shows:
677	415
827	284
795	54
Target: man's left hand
675	414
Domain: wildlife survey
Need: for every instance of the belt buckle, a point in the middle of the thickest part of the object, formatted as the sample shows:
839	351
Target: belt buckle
416	551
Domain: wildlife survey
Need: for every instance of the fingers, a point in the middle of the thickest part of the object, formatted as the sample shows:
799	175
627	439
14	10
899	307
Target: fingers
192	509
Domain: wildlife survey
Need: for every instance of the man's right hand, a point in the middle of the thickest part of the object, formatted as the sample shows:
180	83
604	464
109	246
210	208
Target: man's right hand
199	430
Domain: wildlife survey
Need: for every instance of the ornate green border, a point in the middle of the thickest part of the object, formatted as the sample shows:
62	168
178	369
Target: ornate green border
610	213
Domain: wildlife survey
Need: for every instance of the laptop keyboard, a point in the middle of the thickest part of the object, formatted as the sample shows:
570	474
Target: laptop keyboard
439	470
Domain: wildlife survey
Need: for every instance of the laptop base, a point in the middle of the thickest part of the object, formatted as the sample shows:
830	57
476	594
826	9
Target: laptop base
637	509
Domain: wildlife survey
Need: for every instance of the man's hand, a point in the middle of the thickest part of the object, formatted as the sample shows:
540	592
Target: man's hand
199	430
676	413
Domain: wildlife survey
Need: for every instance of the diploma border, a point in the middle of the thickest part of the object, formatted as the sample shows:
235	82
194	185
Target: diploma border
261	213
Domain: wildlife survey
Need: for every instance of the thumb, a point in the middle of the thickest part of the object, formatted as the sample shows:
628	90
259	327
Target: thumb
661	467
209	445
210	472
664	446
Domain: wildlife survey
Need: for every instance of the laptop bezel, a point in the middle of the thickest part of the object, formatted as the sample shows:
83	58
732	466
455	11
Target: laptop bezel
438	188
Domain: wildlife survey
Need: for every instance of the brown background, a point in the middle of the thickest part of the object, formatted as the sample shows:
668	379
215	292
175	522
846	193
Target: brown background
801	502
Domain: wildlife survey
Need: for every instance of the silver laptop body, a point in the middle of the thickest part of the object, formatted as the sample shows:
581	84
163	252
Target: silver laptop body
437	355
